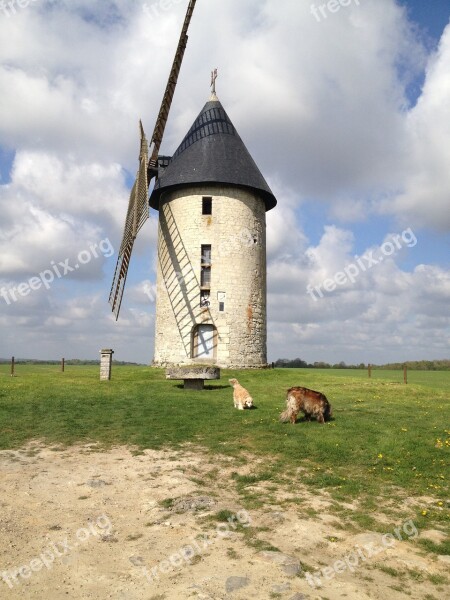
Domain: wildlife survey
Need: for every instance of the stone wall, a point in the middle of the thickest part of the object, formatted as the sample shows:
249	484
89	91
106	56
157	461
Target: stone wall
236	231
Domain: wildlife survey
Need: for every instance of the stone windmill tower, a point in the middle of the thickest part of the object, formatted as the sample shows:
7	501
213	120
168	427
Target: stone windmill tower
211	273
212	202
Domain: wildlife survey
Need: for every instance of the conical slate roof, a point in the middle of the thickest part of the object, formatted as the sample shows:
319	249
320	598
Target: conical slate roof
212	153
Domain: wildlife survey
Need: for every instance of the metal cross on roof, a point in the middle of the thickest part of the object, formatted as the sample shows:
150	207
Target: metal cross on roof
213	80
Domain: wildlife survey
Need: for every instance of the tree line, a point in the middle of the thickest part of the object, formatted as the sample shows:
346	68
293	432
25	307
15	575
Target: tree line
415	365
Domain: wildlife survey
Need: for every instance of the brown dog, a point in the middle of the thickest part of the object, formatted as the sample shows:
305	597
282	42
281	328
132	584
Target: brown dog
311	403
241	397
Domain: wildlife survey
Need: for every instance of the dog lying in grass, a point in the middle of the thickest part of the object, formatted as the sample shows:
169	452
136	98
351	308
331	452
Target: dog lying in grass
241	397
311	403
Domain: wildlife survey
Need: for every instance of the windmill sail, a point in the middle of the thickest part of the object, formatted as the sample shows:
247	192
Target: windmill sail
138	210
163	115
136	216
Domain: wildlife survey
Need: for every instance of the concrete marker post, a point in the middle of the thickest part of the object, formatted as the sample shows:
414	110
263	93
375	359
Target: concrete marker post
105	364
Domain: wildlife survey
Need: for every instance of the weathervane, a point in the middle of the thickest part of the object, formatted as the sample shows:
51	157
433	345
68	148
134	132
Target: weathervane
213	80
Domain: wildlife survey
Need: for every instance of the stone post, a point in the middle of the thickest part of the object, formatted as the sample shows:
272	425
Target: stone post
105	364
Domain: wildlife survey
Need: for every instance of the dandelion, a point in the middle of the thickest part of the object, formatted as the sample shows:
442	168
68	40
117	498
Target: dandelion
380	456
424	513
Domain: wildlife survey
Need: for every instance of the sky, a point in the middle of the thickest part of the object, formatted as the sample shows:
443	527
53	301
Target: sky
346	111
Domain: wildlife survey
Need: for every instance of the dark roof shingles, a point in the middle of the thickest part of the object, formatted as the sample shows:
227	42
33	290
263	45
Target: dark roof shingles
212	152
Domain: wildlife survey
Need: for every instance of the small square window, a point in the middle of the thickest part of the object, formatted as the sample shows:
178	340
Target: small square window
221	306
207	206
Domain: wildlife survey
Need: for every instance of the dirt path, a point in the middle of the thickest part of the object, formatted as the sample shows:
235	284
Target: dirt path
78	523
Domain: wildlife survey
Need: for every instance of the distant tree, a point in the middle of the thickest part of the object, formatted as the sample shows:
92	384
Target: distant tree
282	363
286	363
418	365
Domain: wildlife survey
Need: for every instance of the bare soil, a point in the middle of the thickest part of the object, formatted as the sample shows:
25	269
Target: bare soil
81	523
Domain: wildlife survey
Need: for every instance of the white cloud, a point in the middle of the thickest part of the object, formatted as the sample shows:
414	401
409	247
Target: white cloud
375	319
54	209
323	109
425	199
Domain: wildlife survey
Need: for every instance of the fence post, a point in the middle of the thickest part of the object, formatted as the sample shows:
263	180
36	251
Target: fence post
63	364
405	374
12	366
369	368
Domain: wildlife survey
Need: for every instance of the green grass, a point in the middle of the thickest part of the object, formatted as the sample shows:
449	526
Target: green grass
384	433
389	570
167	503
231	553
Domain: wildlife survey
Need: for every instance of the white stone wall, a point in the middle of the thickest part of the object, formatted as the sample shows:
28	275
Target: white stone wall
236	231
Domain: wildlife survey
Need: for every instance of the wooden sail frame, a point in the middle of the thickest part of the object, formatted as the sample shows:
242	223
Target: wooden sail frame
138	210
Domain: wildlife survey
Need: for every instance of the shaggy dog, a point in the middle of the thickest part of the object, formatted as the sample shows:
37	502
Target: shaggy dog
311	403
241	397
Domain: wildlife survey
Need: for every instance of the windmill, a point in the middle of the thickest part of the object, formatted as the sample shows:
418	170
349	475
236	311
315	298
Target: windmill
138	209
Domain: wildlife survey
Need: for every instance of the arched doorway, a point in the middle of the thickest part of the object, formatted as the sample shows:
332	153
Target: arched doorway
204	342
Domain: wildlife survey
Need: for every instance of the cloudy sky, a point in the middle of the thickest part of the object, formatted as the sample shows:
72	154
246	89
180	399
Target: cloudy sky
347	114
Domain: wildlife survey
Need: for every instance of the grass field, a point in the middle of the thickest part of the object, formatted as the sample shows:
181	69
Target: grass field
387	440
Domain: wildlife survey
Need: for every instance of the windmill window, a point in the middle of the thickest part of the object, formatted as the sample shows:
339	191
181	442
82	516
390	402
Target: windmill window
206	256
207	206
205	278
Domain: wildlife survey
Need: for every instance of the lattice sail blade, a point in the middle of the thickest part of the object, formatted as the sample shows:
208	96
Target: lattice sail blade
138	209
169	92
137	214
